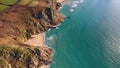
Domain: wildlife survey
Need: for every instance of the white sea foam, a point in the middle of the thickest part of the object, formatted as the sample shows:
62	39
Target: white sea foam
70	2
76	2
49	30
50	38
71	10
74	5
81	1
57	27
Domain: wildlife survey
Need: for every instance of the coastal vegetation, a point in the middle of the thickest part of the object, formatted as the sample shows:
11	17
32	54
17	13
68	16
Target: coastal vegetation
18	22
13	56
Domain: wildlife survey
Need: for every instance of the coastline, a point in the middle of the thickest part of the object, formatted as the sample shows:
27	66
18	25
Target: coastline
26	29
39	40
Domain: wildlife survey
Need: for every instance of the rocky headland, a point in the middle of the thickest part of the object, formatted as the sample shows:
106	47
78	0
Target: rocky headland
19	24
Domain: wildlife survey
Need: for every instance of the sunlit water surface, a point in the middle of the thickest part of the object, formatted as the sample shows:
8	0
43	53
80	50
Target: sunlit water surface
90	38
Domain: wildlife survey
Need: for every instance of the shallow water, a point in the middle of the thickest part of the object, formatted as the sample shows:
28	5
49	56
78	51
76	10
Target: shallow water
90	38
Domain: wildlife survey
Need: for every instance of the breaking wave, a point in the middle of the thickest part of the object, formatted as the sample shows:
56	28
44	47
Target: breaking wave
51	40
73	4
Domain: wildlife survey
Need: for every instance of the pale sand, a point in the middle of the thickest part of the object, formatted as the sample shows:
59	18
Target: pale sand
46	66
60	1
37	40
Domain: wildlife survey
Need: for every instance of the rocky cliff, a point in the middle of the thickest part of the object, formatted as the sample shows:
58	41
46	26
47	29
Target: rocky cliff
17	24
13	56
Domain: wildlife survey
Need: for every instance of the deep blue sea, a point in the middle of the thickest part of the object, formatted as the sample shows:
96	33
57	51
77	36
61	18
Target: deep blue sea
90	38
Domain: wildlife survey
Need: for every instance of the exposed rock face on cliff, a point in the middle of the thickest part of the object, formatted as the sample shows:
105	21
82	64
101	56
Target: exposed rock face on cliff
13	56
17	24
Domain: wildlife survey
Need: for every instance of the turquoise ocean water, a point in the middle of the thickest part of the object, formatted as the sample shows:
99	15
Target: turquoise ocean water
90	38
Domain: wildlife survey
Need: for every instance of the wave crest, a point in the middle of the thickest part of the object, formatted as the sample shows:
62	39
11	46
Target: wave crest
73	4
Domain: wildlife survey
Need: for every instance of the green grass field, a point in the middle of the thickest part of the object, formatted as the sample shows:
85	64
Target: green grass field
8	2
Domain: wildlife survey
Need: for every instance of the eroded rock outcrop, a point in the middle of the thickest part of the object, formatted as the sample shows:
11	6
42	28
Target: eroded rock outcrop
17	24
13	56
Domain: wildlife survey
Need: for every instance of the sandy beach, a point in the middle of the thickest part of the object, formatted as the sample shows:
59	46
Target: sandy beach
37	40
60	1
47	66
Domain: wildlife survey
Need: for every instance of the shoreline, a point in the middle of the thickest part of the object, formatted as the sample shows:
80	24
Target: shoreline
30	33
39	40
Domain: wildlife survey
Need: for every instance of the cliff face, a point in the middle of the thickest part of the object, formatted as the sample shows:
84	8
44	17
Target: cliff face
13	56
17	24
